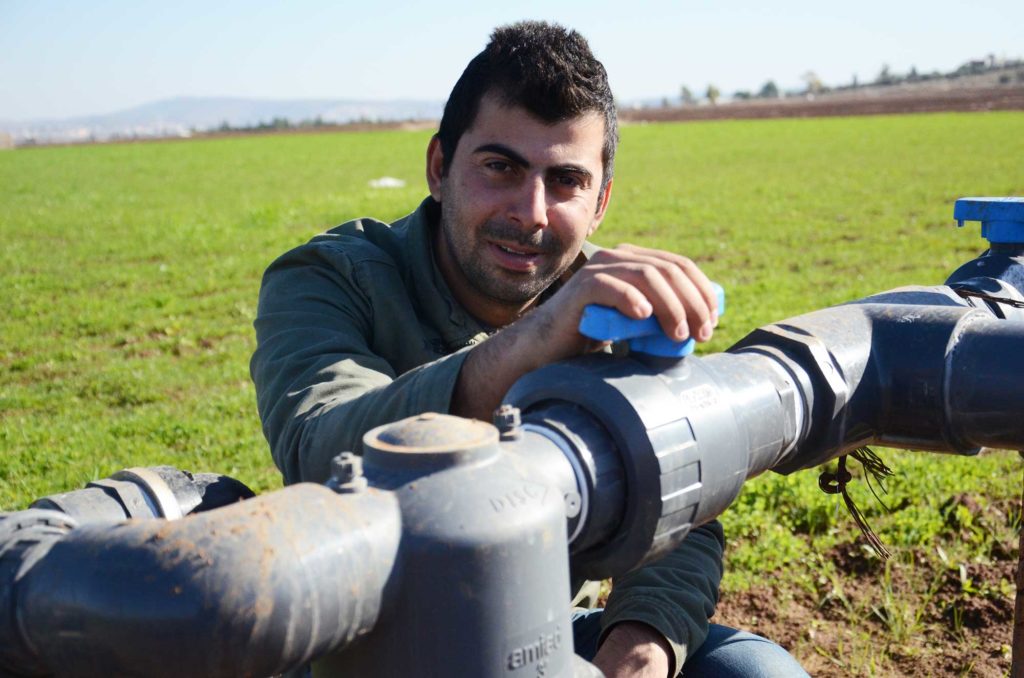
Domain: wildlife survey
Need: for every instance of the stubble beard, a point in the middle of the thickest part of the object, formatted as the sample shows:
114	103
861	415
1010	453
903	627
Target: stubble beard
501	285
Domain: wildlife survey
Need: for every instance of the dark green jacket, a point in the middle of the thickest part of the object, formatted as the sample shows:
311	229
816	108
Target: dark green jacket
357	328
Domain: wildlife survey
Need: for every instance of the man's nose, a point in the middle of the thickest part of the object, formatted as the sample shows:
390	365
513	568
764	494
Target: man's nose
531	204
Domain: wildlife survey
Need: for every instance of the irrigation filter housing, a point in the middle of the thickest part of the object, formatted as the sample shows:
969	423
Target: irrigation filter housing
448	546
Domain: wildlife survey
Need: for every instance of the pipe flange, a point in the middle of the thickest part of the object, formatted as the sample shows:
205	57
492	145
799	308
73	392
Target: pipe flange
655	443
155	487
814	357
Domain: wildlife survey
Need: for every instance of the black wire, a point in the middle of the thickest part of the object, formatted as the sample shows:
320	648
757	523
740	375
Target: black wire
988	297
836	483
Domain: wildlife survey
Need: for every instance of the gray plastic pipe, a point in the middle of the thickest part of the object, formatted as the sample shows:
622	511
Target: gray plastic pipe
664	445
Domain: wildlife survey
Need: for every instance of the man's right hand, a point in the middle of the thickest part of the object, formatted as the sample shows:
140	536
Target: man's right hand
636	281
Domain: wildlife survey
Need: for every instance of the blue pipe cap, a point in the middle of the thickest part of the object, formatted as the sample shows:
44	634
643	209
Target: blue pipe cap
644	336
1002	219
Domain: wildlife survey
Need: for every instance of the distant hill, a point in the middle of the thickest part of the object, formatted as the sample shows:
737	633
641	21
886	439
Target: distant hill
183	116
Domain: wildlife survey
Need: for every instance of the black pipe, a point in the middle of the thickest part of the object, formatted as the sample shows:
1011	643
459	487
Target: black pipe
983	385
253	589
152	492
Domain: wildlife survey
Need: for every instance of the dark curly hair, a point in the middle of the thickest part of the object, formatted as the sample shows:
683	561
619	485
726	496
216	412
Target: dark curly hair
545	68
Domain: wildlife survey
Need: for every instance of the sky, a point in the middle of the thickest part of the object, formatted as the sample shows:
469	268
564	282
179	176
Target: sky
67	58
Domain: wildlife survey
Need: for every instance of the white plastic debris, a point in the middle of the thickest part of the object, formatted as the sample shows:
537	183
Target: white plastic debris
387	182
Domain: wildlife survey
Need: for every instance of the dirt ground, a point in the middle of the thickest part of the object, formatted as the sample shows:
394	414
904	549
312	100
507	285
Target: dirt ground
917	620
1004	98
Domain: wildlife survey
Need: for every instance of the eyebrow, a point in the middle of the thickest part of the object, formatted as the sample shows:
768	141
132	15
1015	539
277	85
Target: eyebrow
504	150
518	159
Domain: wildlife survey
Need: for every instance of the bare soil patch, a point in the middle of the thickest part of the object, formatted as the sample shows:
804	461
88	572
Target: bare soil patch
928	619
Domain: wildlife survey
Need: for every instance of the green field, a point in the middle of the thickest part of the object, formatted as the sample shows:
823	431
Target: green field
130	274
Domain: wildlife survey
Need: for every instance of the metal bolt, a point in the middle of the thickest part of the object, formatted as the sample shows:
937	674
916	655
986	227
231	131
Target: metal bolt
573	504
347	473
507	420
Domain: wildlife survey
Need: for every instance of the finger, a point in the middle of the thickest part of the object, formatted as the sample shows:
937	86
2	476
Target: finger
689	268
677	302
653	286
686	282
607	287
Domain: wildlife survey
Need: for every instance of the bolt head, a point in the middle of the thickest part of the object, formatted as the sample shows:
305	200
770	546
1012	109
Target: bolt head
506	418
346	467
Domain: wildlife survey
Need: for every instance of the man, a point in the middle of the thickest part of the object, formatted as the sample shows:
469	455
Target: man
484	282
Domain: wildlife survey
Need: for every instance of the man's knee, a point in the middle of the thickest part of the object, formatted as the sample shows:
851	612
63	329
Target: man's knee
729	653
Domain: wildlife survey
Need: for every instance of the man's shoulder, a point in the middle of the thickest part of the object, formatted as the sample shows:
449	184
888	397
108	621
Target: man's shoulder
368	240
365	239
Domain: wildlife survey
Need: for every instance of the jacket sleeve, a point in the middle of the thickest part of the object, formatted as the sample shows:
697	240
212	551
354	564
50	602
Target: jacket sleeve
676	595
319	386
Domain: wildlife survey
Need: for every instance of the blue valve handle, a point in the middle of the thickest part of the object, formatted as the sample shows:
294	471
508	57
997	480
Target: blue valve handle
1002	219
604	323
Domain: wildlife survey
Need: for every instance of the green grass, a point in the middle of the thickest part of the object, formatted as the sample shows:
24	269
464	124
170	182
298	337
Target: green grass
129	275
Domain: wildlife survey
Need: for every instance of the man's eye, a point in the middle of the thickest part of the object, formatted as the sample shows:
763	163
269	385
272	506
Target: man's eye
498	166
568	181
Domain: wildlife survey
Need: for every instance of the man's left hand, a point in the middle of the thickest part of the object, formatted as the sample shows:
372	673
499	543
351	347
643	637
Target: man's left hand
634	650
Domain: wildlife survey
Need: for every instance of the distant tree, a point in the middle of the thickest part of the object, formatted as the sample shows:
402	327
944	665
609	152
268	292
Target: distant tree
712	94
769	90
814	83
913	76
741	95
686	96
854	83
885	76
665	103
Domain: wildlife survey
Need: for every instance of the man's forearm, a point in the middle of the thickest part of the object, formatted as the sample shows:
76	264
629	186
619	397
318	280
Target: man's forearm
490	370
308	422
493	366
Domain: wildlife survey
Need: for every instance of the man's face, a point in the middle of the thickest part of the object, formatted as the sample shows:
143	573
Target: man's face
519	199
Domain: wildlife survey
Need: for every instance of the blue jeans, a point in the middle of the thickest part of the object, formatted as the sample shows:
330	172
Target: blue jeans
726	653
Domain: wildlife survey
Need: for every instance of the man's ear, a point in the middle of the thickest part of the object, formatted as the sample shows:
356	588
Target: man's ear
602	207
435	167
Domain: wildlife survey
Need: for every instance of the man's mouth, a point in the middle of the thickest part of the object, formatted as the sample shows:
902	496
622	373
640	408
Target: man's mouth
516	258
518	252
